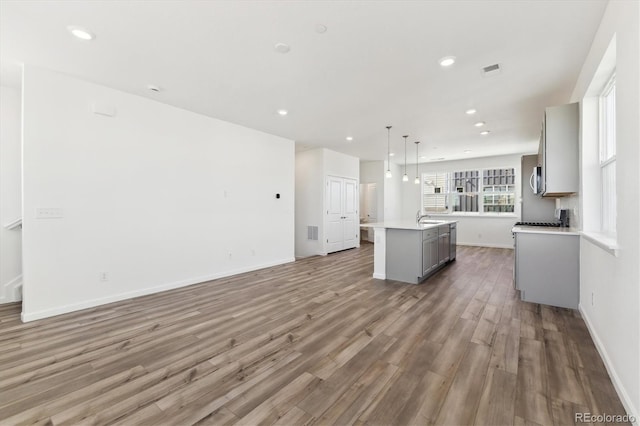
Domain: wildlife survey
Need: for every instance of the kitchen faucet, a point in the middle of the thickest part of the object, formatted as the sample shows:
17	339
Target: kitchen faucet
419	217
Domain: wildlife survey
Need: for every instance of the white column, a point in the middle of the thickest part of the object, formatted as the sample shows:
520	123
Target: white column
380	254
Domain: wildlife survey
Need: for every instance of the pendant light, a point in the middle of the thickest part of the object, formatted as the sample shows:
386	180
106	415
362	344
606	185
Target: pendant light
405	177
388	173
417	179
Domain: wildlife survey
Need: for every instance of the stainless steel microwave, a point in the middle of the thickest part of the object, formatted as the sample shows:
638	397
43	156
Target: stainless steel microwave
535	181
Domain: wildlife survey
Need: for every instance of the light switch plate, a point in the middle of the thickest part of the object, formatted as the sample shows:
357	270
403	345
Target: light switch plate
49	213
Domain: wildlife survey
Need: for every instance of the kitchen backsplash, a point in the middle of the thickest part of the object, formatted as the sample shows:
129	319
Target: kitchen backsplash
572	203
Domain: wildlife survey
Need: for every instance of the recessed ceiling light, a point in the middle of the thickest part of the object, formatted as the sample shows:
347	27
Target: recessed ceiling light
480	124
437	159
466	151
391	154
422	157
447	61
470	111
349	138
154	88
283	112
282	48
320	29
81	33
485	132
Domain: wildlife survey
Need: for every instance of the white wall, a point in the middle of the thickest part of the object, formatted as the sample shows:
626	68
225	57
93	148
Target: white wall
389	189
312	168
341	165
393	193
309	201
487	231
373	172
157	197
10	195
614	281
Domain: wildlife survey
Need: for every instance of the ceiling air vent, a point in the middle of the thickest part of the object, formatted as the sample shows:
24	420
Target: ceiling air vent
491	70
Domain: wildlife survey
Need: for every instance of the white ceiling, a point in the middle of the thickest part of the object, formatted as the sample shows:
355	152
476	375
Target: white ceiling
376	65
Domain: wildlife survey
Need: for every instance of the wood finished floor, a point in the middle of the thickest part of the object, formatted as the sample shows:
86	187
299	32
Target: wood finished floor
317	341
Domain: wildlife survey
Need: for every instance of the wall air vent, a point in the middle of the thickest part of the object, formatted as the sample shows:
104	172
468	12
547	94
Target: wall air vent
491	70
312	233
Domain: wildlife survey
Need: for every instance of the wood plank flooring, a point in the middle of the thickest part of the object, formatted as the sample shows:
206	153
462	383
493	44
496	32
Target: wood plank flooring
317	341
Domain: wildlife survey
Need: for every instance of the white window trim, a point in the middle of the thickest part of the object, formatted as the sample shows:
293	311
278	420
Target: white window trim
606	158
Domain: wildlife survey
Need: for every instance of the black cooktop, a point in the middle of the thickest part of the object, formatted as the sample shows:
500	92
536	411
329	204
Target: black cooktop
549	224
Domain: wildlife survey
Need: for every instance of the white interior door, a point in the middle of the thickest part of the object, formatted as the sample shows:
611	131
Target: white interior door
350	219
335	198
343	223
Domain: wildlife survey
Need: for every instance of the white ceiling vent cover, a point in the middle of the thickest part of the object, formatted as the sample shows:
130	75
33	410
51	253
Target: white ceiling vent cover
490	70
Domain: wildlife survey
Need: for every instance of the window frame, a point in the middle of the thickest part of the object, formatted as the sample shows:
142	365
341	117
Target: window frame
607	156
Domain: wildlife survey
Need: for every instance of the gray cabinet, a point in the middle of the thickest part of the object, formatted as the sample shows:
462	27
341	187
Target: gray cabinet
443	244
547	268
429	251
413	255
453	239
558	151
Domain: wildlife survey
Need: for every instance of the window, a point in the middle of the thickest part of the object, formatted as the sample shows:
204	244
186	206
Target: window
498	193
469	191
435	192
465	196
608	157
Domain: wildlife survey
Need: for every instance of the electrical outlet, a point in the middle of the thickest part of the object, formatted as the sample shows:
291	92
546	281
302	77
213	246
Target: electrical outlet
104	276
230	255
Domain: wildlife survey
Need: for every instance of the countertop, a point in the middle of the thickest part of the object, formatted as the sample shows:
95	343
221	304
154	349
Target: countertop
545	230
406	224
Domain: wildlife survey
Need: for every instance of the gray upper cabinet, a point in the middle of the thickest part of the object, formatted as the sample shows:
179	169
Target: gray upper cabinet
558	152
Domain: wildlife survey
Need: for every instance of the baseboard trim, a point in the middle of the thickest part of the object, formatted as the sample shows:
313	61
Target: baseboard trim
489	245
46	313
380	276
8	290
615	379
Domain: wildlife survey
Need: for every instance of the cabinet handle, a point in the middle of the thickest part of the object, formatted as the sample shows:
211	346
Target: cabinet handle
531	181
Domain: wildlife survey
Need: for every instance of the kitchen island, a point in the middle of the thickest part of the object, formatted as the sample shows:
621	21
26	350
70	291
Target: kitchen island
410	252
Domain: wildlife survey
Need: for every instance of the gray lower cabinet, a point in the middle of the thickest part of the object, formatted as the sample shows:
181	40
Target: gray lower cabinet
443	244
453	238
547	268
413	255
429	251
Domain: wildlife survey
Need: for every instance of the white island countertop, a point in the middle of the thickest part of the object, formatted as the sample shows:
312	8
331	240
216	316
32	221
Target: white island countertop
407	224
